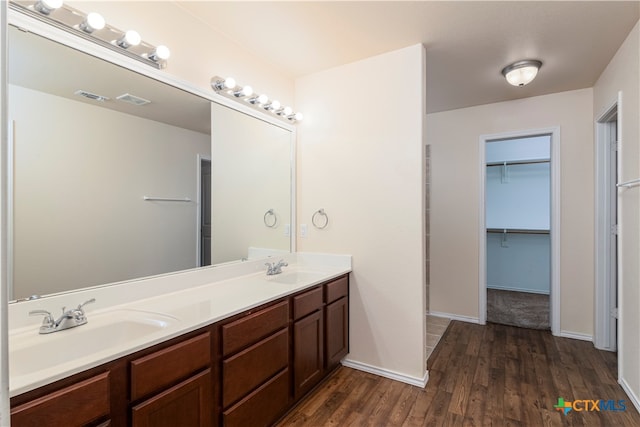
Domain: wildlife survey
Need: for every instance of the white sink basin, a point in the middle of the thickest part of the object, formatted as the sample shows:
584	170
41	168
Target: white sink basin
297	277
30	351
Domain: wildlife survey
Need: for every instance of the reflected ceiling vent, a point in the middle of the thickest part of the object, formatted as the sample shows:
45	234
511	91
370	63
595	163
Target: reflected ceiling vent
132	99
92	96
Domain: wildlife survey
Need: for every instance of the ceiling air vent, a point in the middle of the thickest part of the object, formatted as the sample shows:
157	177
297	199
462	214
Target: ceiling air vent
92	96
132	99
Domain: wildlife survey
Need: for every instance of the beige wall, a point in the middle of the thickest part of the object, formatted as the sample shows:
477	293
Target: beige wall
80	174
623	74
454	138
360	157
198	51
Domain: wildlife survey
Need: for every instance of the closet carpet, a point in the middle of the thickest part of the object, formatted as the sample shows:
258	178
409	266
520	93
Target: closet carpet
521	309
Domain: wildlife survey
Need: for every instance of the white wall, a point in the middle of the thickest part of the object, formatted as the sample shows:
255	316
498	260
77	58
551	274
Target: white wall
623	74
4	363
360	157
455	187
251	173
198	51
80	174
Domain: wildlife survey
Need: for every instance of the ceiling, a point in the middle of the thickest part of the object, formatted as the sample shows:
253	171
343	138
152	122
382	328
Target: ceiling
467	43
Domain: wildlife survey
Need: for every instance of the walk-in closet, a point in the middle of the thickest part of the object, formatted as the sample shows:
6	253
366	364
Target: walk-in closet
518	253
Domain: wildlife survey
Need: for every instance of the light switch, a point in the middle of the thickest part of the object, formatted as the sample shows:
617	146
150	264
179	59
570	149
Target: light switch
303	230
287	230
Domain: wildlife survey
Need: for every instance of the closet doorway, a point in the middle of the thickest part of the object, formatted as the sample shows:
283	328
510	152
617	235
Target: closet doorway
519	230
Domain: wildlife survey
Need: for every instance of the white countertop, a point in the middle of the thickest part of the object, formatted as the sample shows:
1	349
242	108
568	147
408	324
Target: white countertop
168	306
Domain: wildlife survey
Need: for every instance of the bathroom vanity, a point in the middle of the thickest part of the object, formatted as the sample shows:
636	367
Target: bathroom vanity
245	367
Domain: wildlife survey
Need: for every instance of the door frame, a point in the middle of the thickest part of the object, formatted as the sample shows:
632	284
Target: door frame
605	338
200	159
554	294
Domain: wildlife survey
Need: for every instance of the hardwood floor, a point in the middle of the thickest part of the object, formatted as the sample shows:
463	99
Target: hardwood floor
491	375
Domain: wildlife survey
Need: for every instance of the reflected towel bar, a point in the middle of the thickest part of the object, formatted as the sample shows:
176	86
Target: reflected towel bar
629	184
165	199
516	231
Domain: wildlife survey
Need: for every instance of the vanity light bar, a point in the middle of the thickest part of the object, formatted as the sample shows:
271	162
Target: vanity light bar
93	27
230	89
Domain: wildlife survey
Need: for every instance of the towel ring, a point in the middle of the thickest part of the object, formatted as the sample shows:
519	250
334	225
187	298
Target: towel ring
268	213
314	220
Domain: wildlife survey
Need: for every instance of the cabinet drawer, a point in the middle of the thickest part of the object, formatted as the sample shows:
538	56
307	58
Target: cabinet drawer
263	406
337	289
76	405
251	367
185	404
307	303
163	368
243	332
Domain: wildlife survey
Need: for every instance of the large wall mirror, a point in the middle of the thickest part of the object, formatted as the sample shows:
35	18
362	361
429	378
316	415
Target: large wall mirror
86	150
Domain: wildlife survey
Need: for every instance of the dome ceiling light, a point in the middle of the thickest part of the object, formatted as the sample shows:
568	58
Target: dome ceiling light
521	73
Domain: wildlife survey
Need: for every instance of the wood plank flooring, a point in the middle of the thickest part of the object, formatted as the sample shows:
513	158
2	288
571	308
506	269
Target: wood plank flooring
493	375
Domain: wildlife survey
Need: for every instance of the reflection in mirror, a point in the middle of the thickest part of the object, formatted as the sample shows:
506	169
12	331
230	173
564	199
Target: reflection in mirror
251	186
82	167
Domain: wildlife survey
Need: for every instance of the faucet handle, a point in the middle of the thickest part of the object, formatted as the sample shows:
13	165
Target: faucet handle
92	300
48	318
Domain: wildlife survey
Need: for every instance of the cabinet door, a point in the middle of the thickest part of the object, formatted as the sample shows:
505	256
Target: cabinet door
308	353
337	333
187	404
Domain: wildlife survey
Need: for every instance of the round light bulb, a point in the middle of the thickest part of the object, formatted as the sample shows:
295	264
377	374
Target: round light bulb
246	91
287	111
96	21
48	6
132	38
93	21
298	117
275	105
229	83
160	53
263	99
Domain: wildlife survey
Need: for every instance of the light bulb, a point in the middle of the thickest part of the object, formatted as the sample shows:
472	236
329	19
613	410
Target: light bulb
287	111
298	117
130	38
263	99
160	53
273	105
47	6
94	21
228	83
245	91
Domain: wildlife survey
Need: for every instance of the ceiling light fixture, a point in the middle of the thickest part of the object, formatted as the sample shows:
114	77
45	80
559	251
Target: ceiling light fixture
245	94
521	73
92	27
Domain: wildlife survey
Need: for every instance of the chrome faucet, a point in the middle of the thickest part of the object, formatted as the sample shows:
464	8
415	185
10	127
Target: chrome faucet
68	319
273	268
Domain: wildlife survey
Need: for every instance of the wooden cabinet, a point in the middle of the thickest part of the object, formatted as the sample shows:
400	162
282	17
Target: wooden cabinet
336	314
244	371
255	367
308	341
81	404
187	404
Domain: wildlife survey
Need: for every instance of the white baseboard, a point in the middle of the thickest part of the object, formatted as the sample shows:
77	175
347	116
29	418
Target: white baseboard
632	397
455	317
576	336
416	381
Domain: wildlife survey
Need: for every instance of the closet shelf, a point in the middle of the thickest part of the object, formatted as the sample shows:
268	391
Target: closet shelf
517	231
518	162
